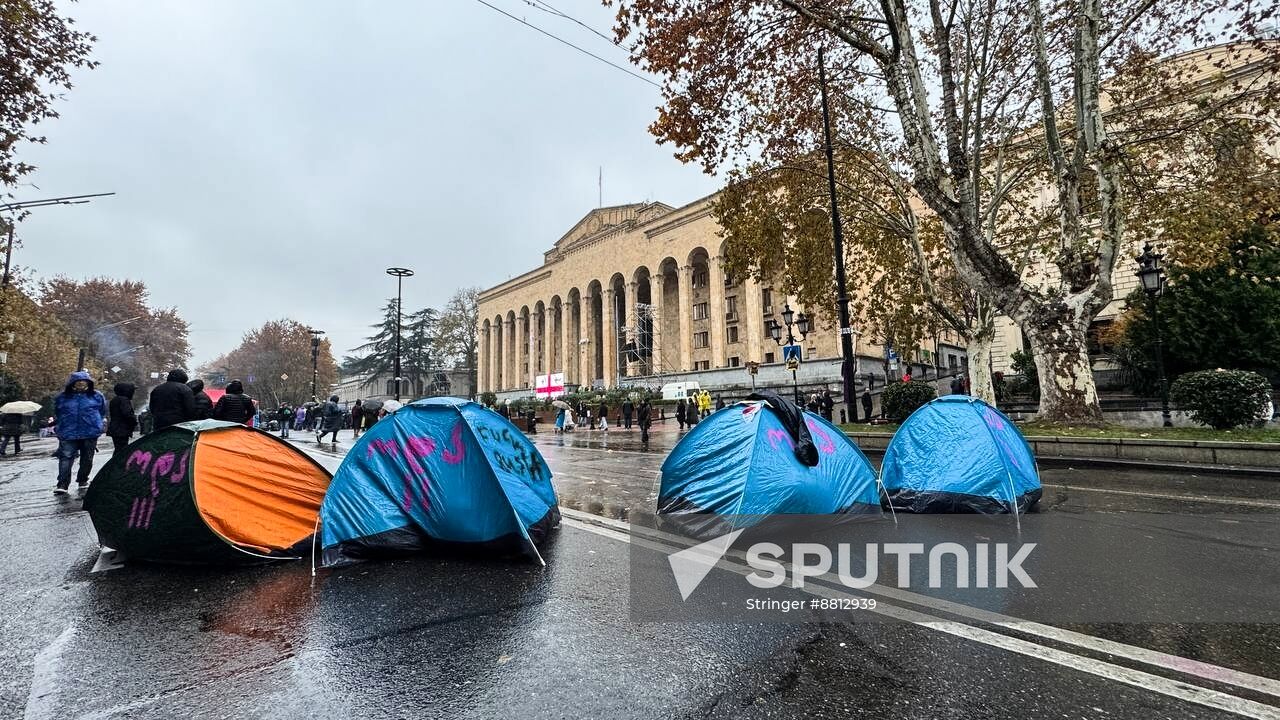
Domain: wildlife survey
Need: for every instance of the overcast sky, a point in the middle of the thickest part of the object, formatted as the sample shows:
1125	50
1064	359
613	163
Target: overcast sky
271	159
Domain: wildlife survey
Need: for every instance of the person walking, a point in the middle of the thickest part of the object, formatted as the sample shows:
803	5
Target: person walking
82	414
559	420
299	417
11	429
235	406
827	405
813	405
627	410
357	418
331	420
604	415
680	414
284	416
121	420
645	417
866	403
957	386
719	403
172	401
203	403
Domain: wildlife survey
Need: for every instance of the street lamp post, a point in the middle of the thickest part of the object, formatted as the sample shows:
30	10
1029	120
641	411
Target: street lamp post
315	360
1152	277
801	324
847	357
399	274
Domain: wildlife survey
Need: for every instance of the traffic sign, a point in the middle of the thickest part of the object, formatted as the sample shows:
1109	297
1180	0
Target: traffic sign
753	367
284	376
792	354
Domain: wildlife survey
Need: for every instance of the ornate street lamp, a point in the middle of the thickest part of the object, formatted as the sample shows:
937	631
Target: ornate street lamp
399	274
315	359
801	325
1152	277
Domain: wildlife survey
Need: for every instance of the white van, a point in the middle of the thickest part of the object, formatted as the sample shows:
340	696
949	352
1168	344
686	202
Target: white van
680	390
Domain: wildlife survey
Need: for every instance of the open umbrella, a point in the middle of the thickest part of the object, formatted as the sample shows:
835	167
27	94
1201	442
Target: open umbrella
560	404
21	407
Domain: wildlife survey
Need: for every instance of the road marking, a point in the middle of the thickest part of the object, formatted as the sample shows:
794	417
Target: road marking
1172	496
42	700
1117	673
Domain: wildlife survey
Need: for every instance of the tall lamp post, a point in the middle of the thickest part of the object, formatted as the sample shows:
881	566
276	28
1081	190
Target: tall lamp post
801	325
1152	277
399	274
315	360
848	359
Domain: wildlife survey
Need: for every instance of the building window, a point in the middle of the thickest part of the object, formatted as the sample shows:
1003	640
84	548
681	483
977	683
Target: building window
699	279
731	308
735	362
951	361
700	311
701	339
813	352
766	299
732	333
768	358
702	365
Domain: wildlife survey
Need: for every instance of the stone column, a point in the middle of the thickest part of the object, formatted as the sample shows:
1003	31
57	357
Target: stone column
609	330
520	344
508	354
632	321
751	319
548	341
715	311
657	284
494	357
587	353
531	351
567	345
685	313
482	359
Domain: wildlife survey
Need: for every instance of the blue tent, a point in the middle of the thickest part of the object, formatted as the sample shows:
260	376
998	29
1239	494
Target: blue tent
438	472
959	454
741	462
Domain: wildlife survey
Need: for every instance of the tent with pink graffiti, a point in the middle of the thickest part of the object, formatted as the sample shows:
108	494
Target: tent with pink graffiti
959	454
441	474
755	459
208	492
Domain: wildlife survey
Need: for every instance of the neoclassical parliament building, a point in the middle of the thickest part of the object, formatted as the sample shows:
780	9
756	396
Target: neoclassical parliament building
635	295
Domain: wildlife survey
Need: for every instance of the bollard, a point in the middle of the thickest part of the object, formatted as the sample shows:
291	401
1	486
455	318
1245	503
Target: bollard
842	417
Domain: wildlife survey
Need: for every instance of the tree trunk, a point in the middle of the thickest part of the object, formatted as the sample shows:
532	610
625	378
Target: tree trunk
1060	348
979	350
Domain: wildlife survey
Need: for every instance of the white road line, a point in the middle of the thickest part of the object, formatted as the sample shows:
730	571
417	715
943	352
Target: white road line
42	701
1172	496
1136	678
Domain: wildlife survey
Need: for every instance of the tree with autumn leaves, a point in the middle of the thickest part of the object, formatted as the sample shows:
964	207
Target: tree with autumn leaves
277	356
1026	130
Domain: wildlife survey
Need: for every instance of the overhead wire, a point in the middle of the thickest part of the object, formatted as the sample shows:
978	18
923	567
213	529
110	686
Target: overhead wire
559	39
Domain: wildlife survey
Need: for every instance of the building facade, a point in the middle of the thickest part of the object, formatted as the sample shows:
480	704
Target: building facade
636	295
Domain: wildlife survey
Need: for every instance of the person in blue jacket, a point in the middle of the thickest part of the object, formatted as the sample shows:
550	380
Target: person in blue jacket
81	413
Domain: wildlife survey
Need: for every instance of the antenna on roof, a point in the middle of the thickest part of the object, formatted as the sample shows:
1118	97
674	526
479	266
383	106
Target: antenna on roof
600	187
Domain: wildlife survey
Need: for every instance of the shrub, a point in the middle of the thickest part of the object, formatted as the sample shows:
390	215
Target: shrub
1222	399
488	399
901	399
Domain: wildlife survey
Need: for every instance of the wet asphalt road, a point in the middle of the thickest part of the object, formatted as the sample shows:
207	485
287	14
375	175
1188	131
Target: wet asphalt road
428	638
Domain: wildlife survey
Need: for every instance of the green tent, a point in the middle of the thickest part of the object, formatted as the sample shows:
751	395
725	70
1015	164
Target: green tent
207	492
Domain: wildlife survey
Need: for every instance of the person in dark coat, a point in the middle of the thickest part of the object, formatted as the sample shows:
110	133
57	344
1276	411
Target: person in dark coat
357	418
82	415
202	402
719	403
627	410
284	415
603	410
235	406
11	428
332	420
121	420
866	403
370	412
680	408
957	386
826	405
645	418
172	402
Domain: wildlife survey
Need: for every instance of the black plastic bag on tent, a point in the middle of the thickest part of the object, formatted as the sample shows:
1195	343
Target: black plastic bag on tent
792	418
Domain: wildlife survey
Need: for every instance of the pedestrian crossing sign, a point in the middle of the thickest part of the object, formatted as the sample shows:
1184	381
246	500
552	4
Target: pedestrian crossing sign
792	354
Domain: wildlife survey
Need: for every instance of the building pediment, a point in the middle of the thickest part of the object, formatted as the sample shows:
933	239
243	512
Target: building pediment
609	218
